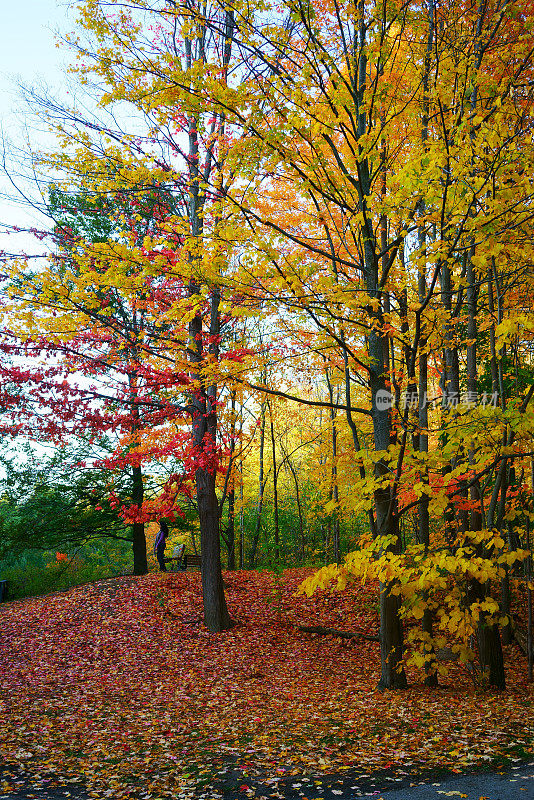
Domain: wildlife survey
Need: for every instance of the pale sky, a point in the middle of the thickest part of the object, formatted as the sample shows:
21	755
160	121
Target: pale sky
28	54
28	40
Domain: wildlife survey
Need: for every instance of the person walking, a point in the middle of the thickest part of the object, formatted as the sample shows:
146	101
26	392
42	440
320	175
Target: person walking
159	545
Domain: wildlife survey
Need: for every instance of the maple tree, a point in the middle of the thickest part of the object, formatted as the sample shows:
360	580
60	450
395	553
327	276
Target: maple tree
143	270
88	326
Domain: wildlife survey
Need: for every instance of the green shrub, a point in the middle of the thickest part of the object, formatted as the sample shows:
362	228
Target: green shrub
35	573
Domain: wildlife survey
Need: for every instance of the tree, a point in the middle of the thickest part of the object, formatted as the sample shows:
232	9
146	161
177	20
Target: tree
49	502
101	338
187	256
396	164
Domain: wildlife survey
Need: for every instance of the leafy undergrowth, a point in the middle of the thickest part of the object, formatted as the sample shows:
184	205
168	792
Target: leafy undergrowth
119	684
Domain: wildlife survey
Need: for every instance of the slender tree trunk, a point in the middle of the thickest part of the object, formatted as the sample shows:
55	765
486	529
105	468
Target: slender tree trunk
261	489
505	580
450	384
138	491
506	633
488	634
335	488
275	491
496	384
336	551
229	537
528	576
204	436
241	506
204	395
327	535
391	633
139	539
299	507
230	530
241	521
431	677
204	400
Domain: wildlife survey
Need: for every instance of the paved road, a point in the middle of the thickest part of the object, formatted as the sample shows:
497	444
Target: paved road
514	784
518	784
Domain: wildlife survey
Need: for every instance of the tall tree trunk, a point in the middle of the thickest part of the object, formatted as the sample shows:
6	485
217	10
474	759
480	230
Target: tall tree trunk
216	617
230	530
204	396
241	521
431	678
204	436
299	507
335	488
450	383
138	528
391	633
241	508
229	535
431	675
488	634
275	491
261	489
528	576
497	389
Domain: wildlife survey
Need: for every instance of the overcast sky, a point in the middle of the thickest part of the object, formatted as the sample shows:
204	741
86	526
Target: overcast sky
28	41
28	54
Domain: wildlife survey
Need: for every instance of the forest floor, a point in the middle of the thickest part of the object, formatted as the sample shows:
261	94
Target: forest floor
115	689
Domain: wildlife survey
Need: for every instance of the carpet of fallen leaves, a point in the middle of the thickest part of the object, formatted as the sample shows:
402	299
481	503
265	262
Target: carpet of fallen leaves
119	684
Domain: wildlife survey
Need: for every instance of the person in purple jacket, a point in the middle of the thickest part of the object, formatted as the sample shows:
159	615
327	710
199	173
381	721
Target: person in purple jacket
159	545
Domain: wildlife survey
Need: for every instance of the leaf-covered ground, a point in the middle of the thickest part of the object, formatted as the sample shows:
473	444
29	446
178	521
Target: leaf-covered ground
118	684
